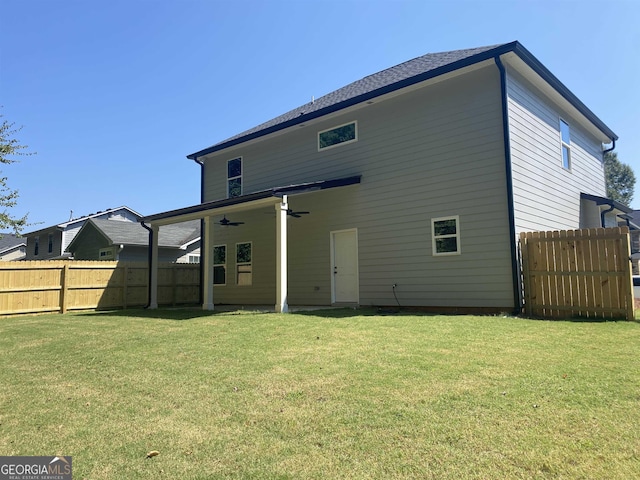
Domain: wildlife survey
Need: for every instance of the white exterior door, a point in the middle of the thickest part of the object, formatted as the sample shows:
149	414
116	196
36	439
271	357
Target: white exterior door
344	266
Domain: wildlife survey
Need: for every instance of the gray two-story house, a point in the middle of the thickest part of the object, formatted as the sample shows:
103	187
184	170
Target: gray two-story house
406	187
50	243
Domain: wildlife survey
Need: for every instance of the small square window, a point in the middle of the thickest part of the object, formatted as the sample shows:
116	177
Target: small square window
446	235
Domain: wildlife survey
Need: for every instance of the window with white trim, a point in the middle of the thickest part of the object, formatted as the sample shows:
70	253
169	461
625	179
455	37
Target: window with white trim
565	137
339	135
446	235
220	265
234	177
193	259
36	247
244	272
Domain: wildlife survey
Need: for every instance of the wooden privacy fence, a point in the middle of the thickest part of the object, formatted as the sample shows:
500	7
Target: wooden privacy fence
60	286
577	273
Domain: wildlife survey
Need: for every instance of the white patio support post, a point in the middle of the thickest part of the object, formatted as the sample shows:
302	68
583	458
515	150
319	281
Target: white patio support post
153	274
281	256
207	277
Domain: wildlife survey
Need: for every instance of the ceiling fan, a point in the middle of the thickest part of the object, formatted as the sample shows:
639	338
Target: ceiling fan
296	214
226	223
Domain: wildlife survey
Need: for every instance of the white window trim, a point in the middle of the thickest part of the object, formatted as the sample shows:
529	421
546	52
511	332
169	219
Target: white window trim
226	271
456	236
355	122
244	263
563	144
241	176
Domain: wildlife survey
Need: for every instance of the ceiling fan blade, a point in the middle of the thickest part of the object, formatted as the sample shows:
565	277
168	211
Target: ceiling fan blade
296	214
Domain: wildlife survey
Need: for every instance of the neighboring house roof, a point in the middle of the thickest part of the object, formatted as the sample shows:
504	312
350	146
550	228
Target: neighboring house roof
400	76
132	233
64	225
10	241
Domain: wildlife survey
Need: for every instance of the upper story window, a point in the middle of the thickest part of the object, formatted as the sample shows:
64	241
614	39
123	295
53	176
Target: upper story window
234	177
50	249
446	235
338	135
565	136
36	247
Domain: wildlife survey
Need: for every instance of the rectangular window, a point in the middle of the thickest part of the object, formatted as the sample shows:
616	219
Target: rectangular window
446	235
220	265
244	271
565	136
234	177
36	247
338	135
106	253
50	250
194	259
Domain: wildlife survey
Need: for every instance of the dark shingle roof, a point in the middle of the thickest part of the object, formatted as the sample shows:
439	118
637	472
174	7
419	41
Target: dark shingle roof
133	233
10	240
397	77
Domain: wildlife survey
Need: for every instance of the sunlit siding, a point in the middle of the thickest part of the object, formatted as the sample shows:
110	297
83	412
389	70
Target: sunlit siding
434	152
546	195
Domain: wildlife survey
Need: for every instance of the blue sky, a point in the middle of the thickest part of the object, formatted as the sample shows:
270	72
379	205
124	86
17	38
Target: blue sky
113	95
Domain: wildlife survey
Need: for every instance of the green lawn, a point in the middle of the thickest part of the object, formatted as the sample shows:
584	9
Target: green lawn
330	394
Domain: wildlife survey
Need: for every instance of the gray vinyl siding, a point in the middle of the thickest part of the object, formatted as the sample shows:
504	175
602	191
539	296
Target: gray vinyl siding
546	195
433	152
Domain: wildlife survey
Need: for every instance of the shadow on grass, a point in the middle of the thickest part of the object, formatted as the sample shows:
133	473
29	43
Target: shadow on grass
193	312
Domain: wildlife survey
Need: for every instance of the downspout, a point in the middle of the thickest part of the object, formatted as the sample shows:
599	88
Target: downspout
202	252
603	213
515	267
604	152
149	263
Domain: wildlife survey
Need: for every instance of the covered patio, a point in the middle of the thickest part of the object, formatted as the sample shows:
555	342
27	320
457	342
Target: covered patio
277	198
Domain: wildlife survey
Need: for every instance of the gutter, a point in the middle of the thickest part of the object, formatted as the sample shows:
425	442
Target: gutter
515	267
150	262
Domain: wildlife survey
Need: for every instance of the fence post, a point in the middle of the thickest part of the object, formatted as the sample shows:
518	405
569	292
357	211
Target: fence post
64	291
125	285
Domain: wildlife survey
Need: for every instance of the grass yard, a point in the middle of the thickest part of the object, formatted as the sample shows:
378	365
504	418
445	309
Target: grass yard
331	394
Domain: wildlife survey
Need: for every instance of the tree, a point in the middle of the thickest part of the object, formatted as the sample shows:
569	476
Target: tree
620	179
9	147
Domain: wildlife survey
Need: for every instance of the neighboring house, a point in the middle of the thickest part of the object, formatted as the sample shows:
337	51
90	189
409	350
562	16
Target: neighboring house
102	239
12	247
51	242
418	180
633	222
